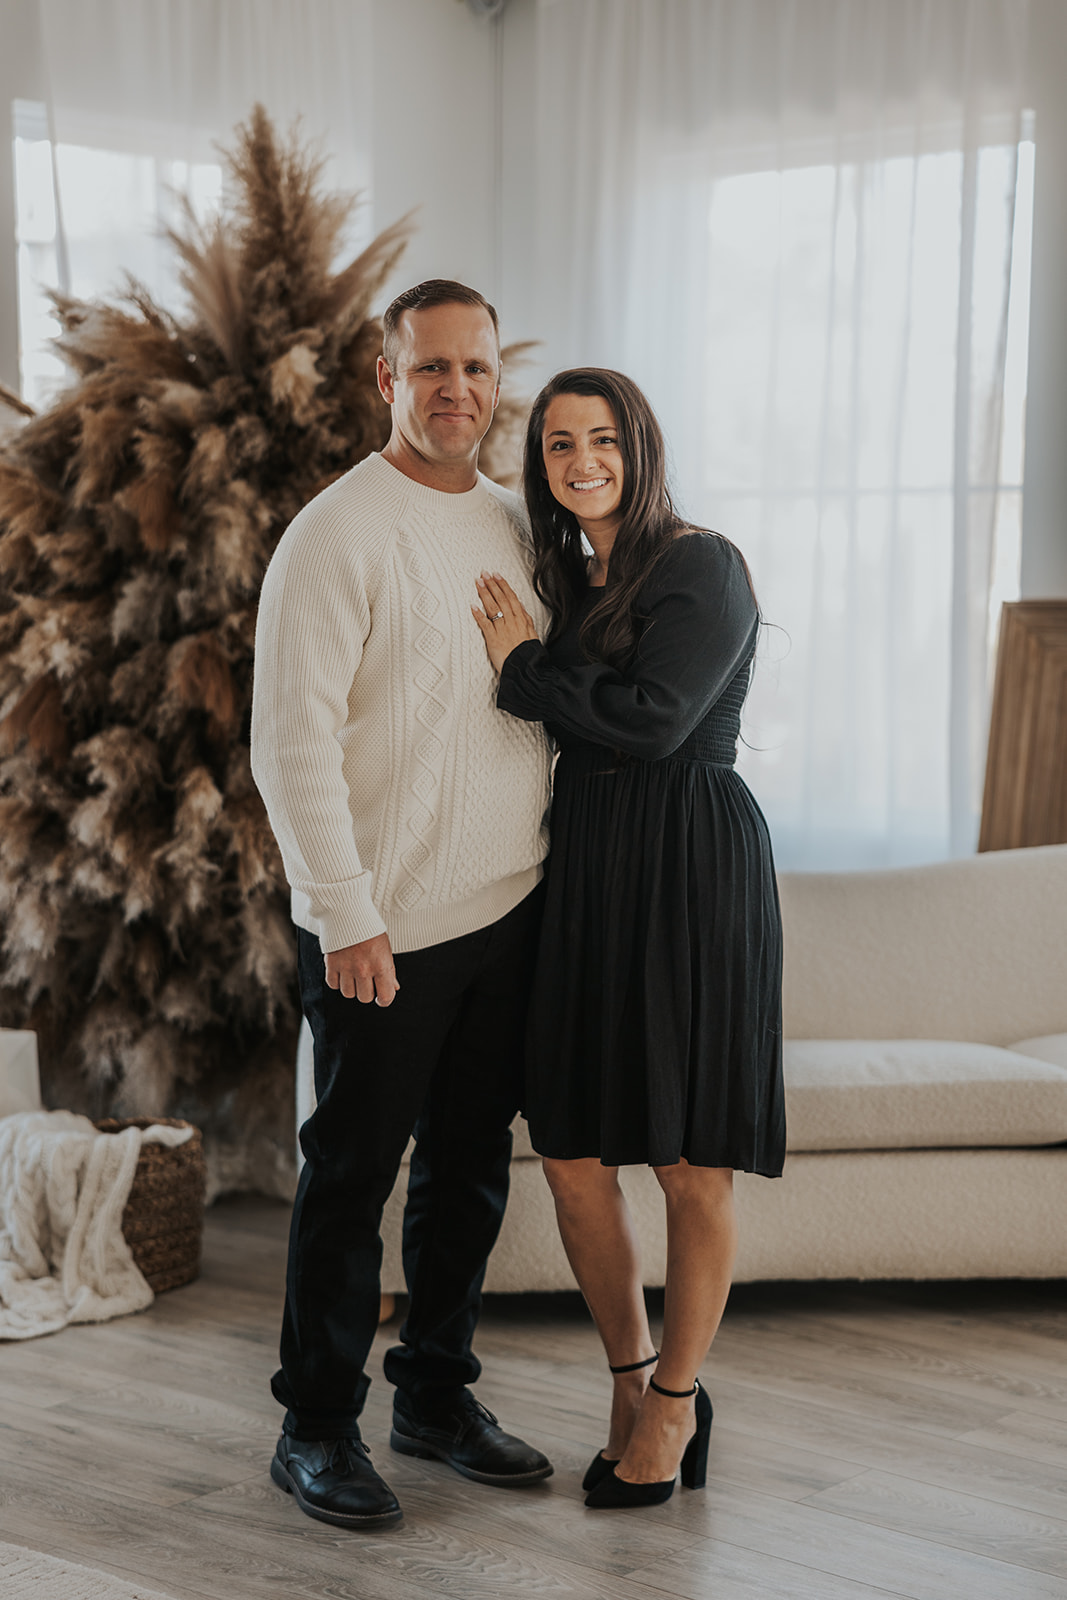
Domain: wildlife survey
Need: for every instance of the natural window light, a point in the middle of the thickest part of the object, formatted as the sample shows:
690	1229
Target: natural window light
113	206
838	459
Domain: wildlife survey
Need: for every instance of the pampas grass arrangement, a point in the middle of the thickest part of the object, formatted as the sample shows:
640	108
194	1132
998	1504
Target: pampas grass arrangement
144	914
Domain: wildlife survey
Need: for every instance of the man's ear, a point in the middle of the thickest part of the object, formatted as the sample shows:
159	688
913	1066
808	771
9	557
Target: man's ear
385	382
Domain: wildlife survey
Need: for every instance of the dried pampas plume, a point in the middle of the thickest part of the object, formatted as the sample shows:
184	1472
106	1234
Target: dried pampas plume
501	453
146	934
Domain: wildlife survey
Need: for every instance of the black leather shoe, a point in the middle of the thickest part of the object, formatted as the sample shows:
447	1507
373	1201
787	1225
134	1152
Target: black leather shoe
333	1480
468	1437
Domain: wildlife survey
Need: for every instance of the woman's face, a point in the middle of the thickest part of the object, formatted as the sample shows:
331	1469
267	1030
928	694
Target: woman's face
583	463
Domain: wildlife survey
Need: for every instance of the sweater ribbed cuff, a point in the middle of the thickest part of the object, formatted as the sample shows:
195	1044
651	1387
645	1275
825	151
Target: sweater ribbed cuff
337	927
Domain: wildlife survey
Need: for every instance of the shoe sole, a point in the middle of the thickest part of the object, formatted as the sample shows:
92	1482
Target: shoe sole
425	1451
340	1519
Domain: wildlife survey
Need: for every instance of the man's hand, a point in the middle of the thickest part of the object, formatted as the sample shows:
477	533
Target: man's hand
364	971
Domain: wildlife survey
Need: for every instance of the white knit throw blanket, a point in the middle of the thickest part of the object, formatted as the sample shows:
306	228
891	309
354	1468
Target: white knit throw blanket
63	1188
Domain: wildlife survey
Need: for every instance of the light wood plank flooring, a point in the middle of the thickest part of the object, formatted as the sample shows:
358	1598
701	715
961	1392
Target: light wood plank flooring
889	1440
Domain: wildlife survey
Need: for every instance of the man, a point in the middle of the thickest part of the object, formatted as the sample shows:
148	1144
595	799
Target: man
409	813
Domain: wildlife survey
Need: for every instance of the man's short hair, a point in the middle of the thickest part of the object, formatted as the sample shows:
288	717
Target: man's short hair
434	292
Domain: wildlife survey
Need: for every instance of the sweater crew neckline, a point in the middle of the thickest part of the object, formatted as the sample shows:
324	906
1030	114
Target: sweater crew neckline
438	501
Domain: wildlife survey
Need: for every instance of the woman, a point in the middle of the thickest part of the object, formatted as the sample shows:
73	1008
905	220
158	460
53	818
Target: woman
655	1033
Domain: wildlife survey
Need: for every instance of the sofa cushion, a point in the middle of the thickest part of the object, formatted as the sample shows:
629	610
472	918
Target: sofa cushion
913	1094
901	1094
1050	1047
969	949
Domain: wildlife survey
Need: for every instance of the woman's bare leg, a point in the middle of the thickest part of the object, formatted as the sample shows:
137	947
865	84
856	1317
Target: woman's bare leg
598	1236
701	1247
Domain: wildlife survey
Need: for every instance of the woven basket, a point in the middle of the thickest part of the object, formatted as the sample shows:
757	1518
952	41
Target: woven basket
163	1222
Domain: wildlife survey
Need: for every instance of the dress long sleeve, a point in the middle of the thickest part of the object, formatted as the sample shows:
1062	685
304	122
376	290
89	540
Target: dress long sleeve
700	630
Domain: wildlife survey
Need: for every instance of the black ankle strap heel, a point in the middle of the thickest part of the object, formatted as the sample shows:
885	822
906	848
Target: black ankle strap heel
694	1468
674	1394
601	1465
615	1491
635	1366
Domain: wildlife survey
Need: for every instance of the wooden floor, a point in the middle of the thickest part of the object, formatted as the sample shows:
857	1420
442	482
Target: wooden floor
869	1441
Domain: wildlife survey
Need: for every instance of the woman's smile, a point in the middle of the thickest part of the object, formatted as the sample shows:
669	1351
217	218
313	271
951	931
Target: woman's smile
583	462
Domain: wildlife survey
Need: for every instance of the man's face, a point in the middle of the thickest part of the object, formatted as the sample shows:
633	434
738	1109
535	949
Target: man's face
446	384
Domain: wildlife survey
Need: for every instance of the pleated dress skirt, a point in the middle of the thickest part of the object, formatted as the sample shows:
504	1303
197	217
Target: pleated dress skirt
656	1023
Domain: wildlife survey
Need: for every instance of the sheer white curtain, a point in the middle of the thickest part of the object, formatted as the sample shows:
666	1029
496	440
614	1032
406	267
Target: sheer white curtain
801	225
140	95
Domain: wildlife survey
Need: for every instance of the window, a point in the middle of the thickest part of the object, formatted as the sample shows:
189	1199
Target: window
87	219
839	458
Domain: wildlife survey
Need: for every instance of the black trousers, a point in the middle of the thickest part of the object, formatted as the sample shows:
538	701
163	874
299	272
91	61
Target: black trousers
443	1061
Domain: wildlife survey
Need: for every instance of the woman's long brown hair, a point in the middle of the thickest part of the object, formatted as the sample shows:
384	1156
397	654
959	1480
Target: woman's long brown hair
648	527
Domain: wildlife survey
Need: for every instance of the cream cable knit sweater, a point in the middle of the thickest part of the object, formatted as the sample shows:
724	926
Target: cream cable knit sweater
402	800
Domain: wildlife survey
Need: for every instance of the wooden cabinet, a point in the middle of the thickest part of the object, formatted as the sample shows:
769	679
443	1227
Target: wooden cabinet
1025	800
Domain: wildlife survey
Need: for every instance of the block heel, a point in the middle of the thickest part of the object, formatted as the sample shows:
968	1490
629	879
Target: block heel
694	1470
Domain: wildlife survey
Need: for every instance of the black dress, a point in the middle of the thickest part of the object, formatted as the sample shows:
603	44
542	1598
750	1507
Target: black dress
656	1021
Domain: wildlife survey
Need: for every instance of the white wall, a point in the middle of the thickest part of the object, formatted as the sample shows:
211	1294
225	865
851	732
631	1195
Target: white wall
518	174
435	140
455	130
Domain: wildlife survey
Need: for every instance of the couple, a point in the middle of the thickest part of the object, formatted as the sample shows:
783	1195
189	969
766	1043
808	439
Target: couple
403	750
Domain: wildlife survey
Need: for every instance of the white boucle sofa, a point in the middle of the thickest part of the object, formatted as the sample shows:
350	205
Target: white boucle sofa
926	1083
